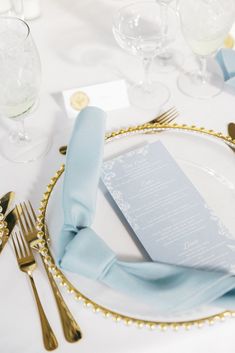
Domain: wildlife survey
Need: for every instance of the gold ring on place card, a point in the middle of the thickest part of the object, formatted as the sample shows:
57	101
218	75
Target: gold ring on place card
65	282
79	100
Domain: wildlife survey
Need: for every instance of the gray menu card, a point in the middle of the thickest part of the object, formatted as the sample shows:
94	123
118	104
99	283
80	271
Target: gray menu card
166	212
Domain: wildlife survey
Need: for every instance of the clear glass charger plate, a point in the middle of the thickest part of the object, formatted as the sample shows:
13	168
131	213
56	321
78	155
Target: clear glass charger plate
208	161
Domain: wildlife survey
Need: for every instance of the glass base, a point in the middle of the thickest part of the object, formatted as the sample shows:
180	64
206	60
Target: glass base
191	83
16	148
169	61
154	98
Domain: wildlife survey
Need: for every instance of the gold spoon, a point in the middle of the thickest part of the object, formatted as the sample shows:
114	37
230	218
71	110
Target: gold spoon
63	150
231	132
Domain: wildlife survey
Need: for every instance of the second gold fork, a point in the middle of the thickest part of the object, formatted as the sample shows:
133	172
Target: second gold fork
27	221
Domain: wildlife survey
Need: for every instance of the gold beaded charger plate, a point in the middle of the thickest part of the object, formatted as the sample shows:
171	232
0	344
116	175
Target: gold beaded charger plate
207	160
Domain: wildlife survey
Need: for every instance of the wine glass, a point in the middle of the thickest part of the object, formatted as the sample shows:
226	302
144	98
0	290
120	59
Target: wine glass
137	29
20	76
170	58
205	24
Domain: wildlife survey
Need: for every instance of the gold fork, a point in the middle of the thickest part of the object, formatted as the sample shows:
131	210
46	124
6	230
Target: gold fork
27	222
164	118
27	264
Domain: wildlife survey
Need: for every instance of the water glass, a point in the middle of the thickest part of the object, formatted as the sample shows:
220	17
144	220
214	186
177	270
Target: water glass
137	28
205	24
170	58
20	77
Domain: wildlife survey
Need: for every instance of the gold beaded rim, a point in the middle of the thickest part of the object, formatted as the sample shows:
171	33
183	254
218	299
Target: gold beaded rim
42	244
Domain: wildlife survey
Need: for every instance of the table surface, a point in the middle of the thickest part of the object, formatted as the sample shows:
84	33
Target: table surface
77	48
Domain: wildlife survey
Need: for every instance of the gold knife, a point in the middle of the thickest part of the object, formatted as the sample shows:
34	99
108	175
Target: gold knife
6	200
231	132
10	222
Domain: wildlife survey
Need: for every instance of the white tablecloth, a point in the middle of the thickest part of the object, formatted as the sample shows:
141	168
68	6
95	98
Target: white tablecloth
77	48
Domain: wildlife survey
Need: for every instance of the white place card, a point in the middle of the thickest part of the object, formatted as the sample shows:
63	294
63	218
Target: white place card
107	96
166	212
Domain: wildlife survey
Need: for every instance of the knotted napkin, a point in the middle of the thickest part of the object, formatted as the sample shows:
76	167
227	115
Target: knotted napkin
80	250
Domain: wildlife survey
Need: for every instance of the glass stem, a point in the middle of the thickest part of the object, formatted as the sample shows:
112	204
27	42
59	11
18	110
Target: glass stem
164	16
18	8
21	134
147	83
202	69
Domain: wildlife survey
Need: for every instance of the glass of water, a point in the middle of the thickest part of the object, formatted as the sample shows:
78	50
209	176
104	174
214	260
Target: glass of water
20	77
137	28
205	24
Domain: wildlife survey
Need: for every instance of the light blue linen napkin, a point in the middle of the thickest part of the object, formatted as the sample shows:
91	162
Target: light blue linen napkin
226	60
81	250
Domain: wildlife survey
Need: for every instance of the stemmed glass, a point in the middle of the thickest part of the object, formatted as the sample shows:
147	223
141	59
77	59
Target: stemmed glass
169	58
137	28
205	24
20	76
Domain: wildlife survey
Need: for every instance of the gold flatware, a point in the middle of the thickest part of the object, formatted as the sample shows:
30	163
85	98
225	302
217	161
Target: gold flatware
231	132
27	264
7	225
27	222
164	118
6	200
11	220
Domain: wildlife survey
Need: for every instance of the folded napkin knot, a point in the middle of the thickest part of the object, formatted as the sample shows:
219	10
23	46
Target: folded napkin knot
89	253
